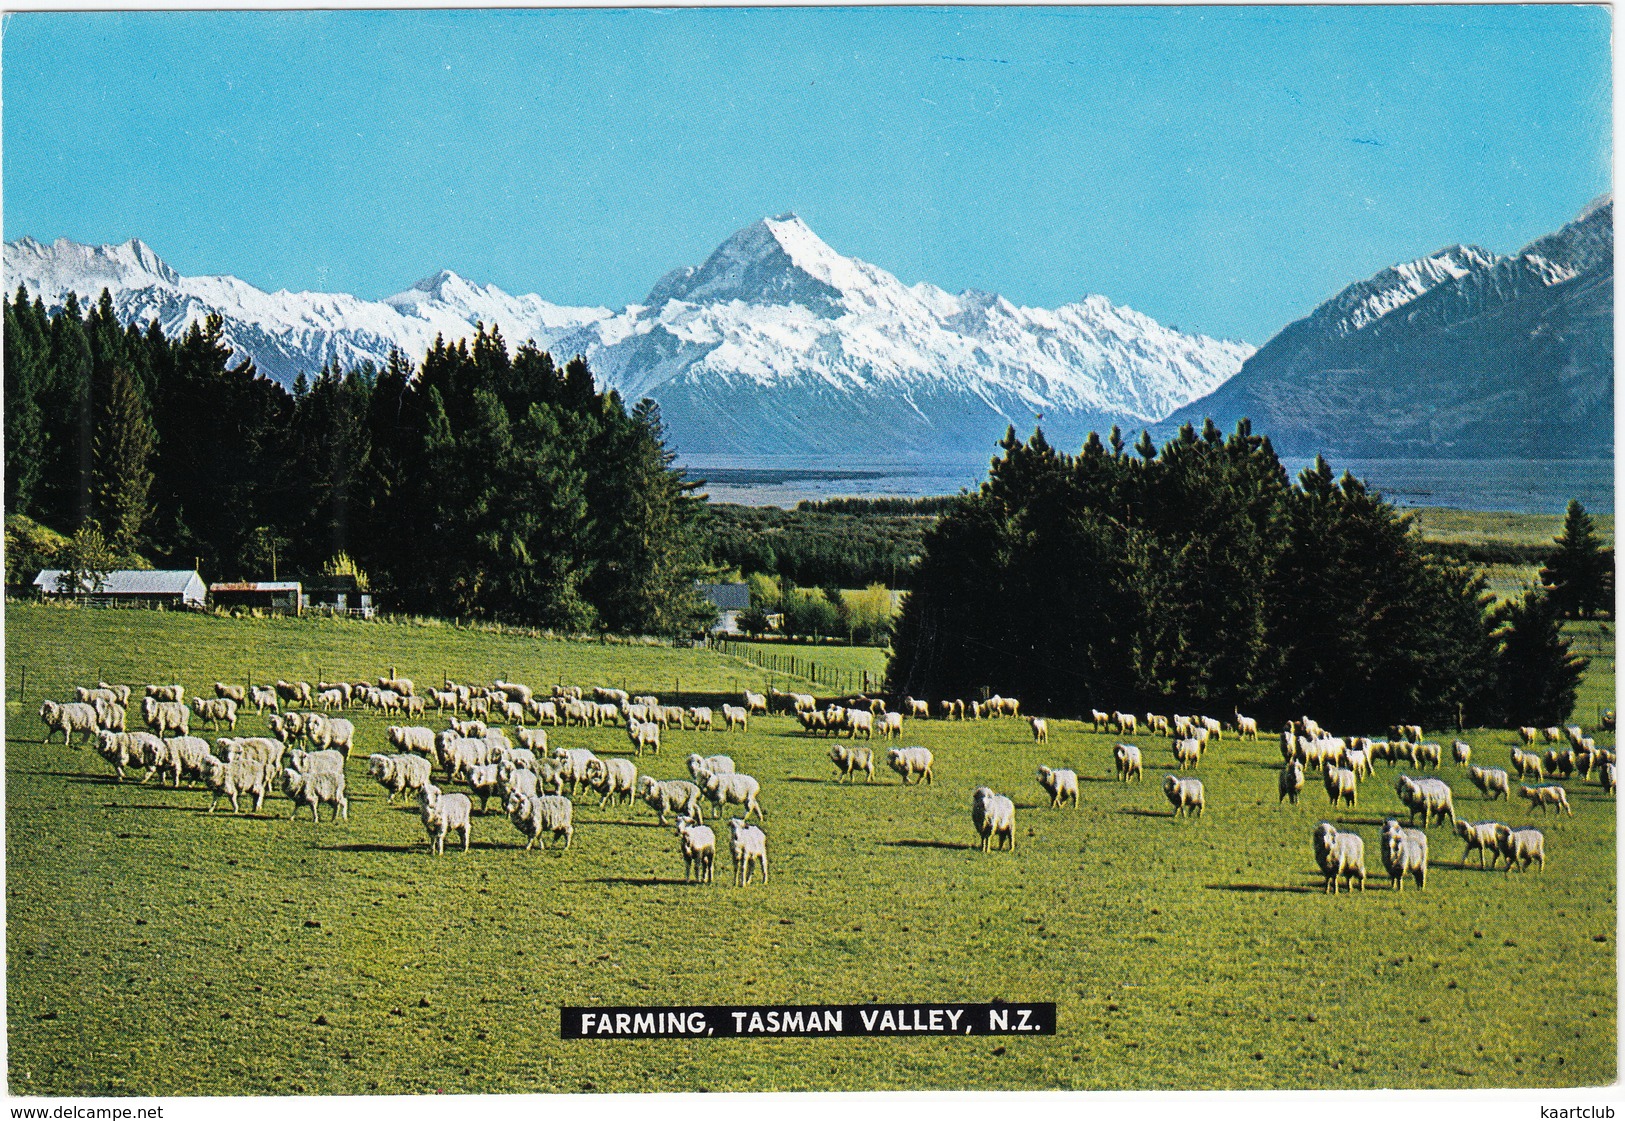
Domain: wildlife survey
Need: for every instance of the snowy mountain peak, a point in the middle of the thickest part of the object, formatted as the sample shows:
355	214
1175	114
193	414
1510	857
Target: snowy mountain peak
444	286
1394	287
86	269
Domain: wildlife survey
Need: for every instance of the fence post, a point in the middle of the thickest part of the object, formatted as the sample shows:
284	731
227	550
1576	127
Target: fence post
22	689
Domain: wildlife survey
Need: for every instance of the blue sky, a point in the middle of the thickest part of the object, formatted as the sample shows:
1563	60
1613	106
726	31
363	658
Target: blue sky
1223	169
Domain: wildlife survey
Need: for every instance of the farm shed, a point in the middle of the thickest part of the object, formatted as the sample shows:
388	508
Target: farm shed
338	595
730	600
130	587
277	597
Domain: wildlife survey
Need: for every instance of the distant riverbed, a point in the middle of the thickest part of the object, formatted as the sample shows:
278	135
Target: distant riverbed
1520	485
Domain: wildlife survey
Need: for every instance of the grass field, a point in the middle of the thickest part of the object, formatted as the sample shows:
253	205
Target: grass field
153	949
1475	527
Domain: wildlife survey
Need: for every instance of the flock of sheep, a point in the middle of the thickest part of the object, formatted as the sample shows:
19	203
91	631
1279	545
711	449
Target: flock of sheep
537	784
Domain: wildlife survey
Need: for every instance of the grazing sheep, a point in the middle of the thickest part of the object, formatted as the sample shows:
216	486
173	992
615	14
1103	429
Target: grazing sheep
736	789
74	716
1246	727
613	779
1605	777
1481	836
1404	853
911	762
1128	762
1339	855
399	773
316	788
1126	723
1040	728
484	781
1340	785
671	796
749	846
235	777
1528	735
1429	797
755	703
849	760
891	726
541	814
919	710
701	717
413	739
1521	847
165	717
126	749
443	813
703	767
1184	794
309	762
1290	784
1490	782
736	717
698	845
644	735
1544	796
1102	720
1187	753
1461	751
1059	785
993	815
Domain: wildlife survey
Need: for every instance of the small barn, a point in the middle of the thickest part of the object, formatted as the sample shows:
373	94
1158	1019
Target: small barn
338	595
131	587
730	600
273	597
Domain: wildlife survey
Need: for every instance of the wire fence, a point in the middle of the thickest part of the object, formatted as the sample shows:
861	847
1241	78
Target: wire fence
838	678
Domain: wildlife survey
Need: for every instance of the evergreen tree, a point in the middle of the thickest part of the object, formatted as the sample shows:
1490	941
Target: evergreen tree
1579	575
1537	673
27	354
124	447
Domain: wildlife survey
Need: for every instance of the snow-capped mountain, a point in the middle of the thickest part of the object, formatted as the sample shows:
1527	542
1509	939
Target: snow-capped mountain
1461	354
775	345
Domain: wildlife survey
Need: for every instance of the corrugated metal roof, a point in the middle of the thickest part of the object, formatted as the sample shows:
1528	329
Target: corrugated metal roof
257	586
131	581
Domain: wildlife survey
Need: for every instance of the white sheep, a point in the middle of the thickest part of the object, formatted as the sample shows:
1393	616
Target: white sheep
1040	728
267	751
700	717
613	779
1481	836
919	710
1125	722
911	762
755	703
644	735
1521	847
742	790
891	726
173	693
294	692
1187	752
1184	794
1102	720
1461	751
1128	762
1404	853
125	749
1340	785
411	738
672	796
850	759
541	814
1358	760
74	716
310	762
993	815
110	715
1060	785
316	788
399	773
860	720
443	813
236	777
698	846
1605	778
1528	735
573	762
1290	783
484	781
1429	797
748	844
165	717
736	717
703	767
1246	727
1544	796
1490	782
1339	855
331	732
181	757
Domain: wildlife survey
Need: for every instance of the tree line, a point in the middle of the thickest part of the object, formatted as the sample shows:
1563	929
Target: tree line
473	483
1199	575
843	543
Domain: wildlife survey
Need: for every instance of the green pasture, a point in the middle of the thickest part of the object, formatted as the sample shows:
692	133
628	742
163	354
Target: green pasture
1478	527
153	949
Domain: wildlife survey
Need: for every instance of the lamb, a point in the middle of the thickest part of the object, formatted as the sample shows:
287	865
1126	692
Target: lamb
443	813
911	762
613	779
573	764
1428	755
1290	783
1528	735
541	814
1187	752
1128	762
849	760
860	720
703	768
736	789
673	795
1340	785
316	788
736	718
644	735
1125	722
1246	727
1481	836
411	738
1544	796
1404	853
1429	797
74	716
1059	785
698	844
919	710
1040	728
263	697
1184	794
1102	720
1339	855
399	773
700	717
755	703
1358	760
1490	782
484	780
164	717
310	762
1521	847
891	726
994	815
749	846
234	778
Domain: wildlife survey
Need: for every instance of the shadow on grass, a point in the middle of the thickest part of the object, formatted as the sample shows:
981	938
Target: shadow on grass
151	806
914	844
1147	813
1257	888
636	881
1097	778
1375	822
